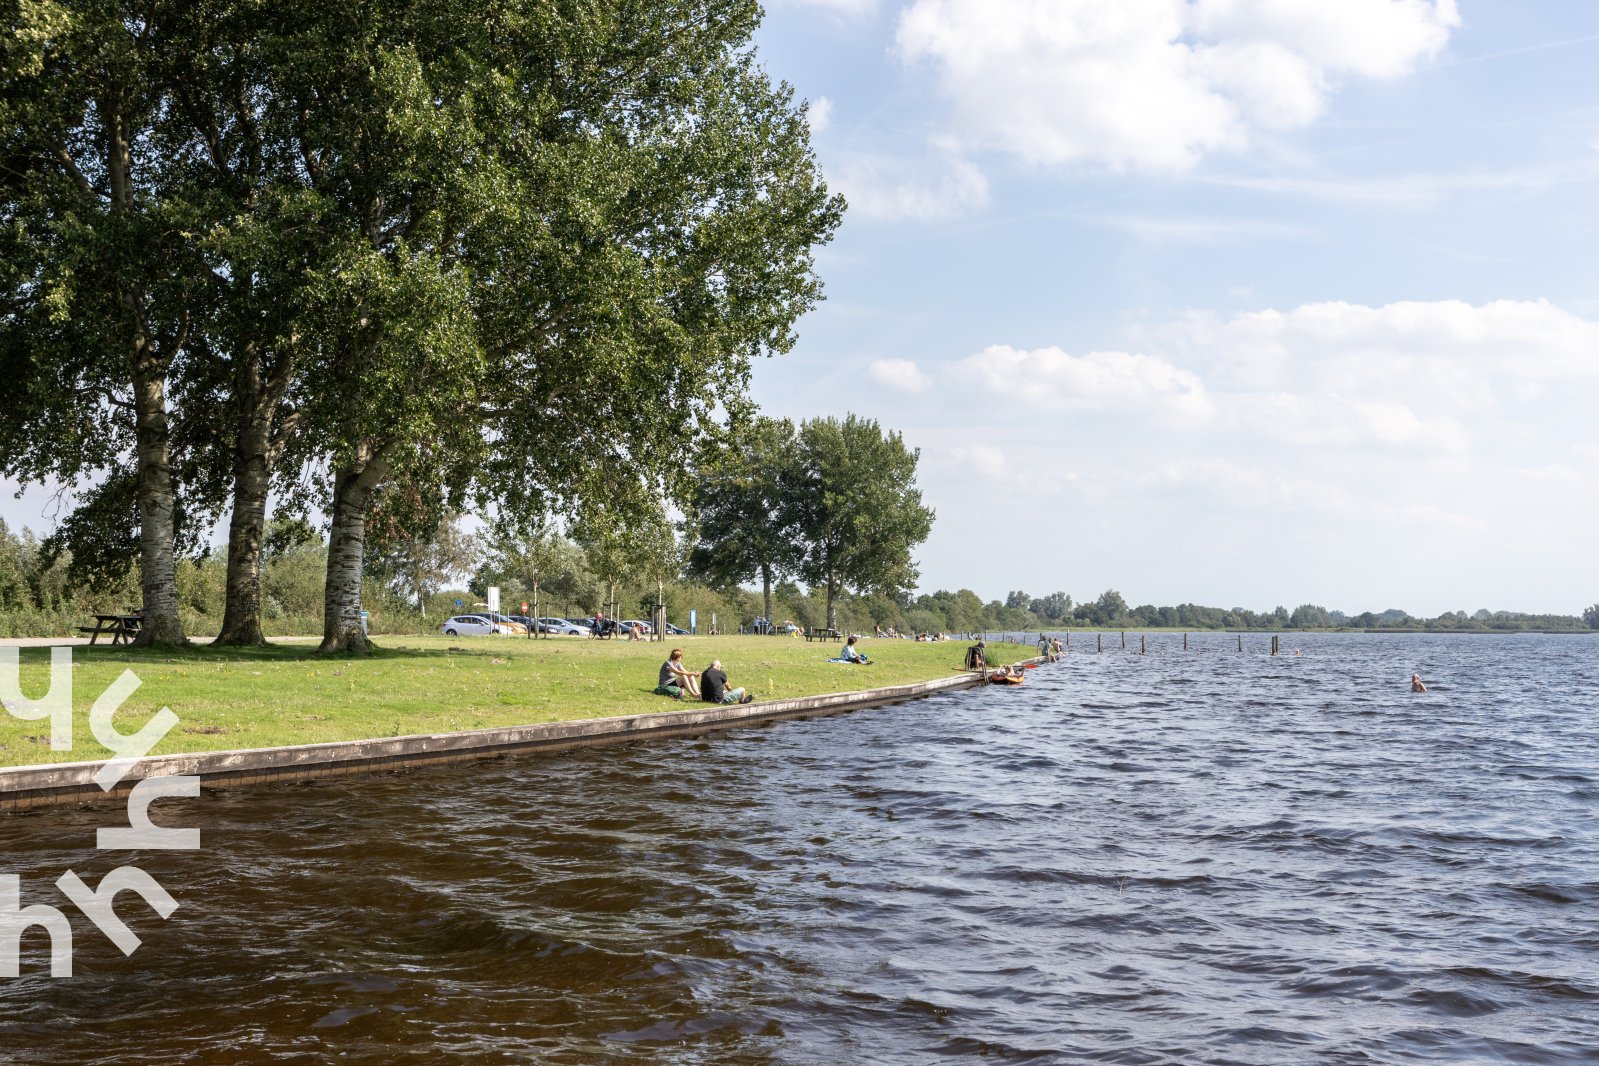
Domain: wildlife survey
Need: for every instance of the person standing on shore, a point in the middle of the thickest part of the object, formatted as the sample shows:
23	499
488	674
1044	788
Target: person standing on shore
713	687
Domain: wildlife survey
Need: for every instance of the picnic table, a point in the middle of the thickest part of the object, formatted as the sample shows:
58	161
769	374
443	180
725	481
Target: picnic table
121	627
821	633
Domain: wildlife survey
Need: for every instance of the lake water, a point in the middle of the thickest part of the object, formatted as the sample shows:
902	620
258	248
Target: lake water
1208	857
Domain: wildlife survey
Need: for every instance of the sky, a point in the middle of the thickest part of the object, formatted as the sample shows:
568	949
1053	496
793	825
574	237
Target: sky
1233	302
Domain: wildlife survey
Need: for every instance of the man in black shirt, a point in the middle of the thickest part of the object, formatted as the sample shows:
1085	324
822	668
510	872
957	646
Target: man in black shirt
713	687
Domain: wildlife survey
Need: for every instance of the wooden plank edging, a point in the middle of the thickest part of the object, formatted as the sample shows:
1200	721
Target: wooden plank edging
56	784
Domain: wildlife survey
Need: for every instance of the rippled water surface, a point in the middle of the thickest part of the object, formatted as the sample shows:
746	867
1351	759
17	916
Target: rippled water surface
1208	857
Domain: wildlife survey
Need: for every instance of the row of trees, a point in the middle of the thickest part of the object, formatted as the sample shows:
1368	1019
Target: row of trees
382	261
831	502
410	591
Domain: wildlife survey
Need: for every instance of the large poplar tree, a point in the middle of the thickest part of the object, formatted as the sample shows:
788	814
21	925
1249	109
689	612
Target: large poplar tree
102	295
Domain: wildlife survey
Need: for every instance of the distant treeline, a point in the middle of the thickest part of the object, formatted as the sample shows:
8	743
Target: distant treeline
1110	610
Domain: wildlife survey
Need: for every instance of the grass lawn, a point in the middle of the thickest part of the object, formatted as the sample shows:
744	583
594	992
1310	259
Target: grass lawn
286	694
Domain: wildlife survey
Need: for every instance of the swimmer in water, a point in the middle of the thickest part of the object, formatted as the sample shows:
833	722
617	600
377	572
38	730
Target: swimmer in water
1415	683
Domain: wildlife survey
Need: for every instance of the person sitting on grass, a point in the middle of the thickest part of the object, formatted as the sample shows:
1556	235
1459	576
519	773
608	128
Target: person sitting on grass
852	654
713	687
676	679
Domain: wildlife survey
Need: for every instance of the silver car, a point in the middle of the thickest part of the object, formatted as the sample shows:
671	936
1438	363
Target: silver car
473	625
560	627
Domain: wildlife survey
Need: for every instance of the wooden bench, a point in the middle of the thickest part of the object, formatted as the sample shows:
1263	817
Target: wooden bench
822	633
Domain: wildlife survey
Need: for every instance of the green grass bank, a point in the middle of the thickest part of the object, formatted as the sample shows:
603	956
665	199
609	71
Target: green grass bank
287	694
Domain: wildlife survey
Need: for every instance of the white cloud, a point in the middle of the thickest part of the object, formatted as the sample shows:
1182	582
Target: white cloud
1119	382
1248	486
820	114
901	374
1436	380
990	463
1449	351
942	185
1155	84
1409	190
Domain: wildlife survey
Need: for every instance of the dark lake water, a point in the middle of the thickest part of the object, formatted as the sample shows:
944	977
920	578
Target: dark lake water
1208	857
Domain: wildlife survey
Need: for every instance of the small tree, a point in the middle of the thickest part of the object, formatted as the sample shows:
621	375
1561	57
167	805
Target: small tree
858	513
743	517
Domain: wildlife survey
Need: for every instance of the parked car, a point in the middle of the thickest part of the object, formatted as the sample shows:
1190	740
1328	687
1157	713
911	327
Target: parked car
516	626
629	623
473	625
560	627
676	631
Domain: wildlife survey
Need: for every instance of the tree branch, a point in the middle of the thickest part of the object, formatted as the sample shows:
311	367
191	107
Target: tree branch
67	164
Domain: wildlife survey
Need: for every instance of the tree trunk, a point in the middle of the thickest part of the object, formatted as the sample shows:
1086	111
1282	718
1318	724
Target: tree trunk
341	616
261	433
766	590
252	474
158	572
832	607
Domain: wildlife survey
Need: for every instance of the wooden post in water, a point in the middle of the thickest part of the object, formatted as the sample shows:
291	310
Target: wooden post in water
1185	642
1099	638
1142	649
1240	642
1124	640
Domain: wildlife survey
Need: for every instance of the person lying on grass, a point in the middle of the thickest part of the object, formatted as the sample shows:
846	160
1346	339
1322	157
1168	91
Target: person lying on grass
677	679
852	654
713	687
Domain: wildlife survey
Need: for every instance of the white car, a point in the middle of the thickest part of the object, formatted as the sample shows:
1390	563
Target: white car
562	628
474	625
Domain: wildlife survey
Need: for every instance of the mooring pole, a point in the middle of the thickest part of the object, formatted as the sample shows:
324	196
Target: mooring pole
1142	649
1099	639
1185	642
